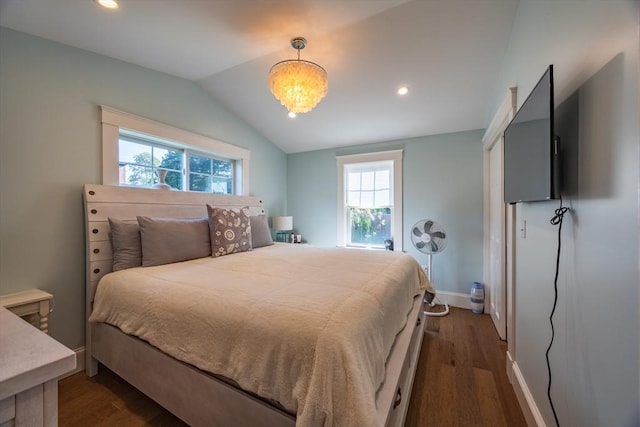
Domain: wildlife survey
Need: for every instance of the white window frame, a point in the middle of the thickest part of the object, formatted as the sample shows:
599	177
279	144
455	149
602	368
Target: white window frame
396	185
187	168
113	120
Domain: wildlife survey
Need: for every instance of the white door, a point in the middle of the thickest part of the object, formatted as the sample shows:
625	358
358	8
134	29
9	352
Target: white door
495	280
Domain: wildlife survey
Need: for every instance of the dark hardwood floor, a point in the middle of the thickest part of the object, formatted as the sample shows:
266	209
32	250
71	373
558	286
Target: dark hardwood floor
460	381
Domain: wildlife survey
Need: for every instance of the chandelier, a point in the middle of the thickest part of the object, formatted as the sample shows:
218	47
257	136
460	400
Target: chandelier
298	85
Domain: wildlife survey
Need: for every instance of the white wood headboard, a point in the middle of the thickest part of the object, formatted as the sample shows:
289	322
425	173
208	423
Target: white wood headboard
102	202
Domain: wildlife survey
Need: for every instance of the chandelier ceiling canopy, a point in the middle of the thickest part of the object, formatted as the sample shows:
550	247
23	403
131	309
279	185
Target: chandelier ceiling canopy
298	85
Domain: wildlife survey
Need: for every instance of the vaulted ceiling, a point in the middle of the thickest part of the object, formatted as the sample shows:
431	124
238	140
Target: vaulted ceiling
448	52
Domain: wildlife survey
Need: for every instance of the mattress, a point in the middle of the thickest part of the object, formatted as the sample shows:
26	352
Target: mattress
309	328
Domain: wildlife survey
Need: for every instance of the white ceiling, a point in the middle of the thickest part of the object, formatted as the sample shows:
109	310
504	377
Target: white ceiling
449	53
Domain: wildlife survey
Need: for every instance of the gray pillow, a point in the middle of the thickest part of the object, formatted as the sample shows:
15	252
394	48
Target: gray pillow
260	233
167	240
125	244
230	230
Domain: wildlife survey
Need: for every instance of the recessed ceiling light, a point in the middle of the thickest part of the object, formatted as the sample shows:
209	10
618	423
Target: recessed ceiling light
291	115
109	4
403	90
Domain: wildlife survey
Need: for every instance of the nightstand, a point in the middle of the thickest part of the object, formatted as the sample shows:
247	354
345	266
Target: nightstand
31	364
33	305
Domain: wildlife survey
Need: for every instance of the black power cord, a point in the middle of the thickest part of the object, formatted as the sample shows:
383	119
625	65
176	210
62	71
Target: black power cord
556	220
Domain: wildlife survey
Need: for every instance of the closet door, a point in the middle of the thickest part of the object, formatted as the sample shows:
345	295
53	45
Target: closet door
498	224
496	292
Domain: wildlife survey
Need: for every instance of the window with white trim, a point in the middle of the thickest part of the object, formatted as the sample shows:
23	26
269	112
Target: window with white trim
135	149
141	159
370	199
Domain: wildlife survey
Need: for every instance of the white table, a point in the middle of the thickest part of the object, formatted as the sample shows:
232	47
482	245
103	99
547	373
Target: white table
30	364
34	305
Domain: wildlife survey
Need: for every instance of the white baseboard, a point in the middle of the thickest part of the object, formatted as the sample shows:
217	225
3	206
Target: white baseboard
510	363
529	408
79	363
454	299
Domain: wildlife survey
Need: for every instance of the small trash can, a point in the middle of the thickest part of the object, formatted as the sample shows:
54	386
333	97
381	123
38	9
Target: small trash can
477	298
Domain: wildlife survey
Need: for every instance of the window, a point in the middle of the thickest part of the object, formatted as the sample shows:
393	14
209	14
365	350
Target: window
210	175
368	203
370	199
140	159
135	149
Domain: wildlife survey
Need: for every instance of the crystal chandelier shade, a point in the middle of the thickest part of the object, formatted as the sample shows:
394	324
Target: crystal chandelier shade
298	85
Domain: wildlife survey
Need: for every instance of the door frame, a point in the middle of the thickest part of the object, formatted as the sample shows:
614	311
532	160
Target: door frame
493	135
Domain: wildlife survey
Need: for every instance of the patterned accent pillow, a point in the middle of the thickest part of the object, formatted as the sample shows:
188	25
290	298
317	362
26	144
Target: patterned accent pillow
230	230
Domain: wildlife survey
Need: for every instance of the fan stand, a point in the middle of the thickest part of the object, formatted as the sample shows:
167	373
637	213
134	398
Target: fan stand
433	304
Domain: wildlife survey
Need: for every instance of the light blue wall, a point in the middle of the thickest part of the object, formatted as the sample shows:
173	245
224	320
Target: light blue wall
442	180
594	48
50	145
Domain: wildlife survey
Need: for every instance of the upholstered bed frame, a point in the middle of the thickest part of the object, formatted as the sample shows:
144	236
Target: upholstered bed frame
195	396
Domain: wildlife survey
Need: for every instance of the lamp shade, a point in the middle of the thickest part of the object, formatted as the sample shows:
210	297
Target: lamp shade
298	85
283	223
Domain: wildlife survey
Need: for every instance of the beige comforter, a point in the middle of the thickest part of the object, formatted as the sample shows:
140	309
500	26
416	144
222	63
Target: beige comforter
307	327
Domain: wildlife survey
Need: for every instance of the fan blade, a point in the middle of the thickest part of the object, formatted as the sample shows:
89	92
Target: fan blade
420	245
434	246
417	232
427	226
439	234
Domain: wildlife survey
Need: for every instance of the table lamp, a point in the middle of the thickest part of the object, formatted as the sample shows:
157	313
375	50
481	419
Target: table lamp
282	225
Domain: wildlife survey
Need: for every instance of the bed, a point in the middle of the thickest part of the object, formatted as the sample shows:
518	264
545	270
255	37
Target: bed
281	335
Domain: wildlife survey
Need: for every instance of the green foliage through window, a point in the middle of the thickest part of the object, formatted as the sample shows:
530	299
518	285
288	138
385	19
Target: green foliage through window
139	162
369	227
210	175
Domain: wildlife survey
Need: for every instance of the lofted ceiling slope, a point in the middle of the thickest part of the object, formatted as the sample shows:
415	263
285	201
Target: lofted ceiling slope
448	52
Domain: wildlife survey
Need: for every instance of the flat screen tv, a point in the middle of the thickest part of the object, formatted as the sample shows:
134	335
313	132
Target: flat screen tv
531	148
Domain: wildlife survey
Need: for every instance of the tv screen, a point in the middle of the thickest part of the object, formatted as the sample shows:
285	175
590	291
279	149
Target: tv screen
530	149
